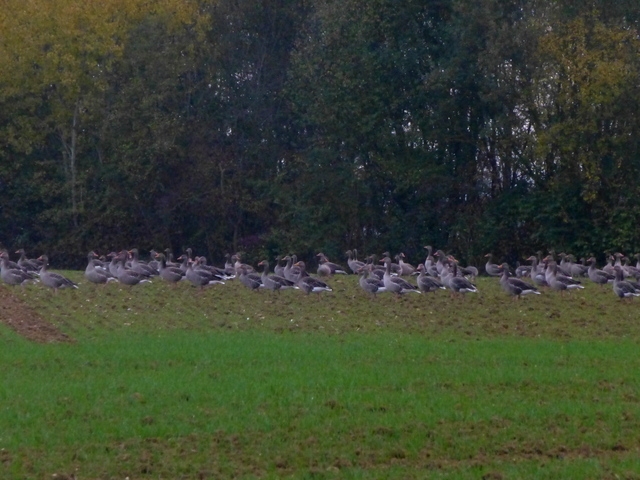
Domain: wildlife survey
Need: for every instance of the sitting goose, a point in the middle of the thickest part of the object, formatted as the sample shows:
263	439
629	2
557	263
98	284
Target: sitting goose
622	288
598	276
168	273
26	264
311	285
95	274
200	263
370	284
52	279
237	264
14	276
125	275
396	284
459	284
139	266
406	269
560	282
491	268
515	286
200	278
274	282
250	280
427	283
328	268
354	264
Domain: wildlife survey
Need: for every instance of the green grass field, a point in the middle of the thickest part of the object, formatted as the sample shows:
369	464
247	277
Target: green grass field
164	382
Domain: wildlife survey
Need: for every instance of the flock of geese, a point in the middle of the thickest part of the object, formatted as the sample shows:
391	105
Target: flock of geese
439	271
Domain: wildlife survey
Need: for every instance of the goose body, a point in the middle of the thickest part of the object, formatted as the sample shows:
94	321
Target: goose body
621	287
53	280
515	286
396	284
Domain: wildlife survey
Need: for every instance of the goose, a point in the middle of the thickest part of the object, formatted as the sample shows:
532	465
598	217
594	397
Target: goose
426	283
608	268
370	284
396	284
395	268
14	276
309	284
630	270
95	274
560	282
375	269
459	284
491	268
125	275
237	264
623	288
406	269
141	267
26	264
522	271
596	275
250	280
52	279
200	278
274	282
353	264
577	269
200	263
291	272
279	269
515	286
168	273
537	274
333	268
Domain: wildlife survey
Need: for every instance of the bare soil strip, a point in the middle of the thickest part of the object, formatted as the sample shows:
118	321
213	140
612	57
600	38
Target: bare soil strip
26	321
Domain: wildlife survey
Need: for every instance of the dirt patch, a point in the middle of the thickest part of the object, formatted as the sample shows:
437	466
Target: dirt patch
27	322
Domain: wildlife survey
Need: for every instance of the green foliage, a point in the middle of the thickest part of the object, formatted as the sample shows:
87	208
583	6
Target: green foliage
287	126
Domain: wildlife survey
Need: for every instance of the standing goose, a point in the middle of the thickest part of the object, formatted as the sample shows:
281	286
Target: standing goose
95	274
622	288
14	276
52	279
354	264
370	284
279	269
309	284
395	268
426	283
291	272
396	284
515	286
274	282
537	274
491	268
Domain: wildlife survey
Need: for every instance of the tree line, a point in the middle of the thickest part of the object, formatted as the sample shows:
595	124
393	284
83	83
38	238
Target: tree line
295	126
